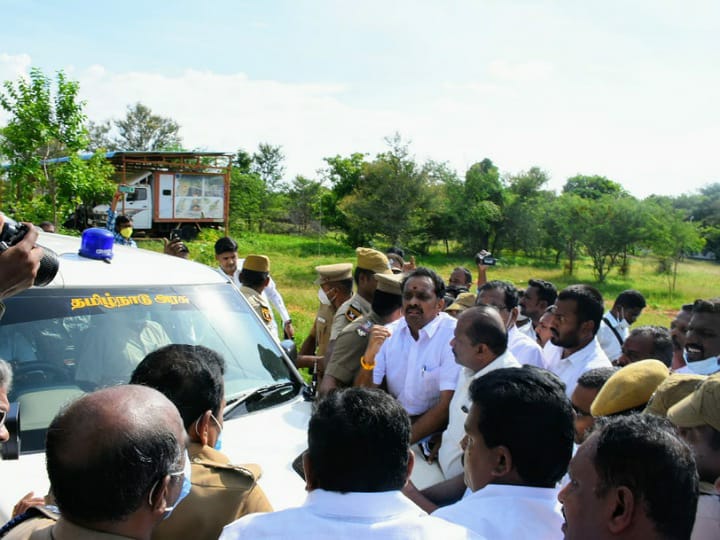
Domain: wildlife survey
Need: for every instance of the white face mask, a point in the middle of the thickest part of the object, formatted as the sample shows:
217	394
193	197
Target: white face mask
323	297
708	366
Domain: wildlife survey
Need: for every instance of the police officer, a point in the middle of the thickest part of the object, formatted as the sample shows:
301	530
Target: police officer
255	276
192	377
369	263
335	281
351	343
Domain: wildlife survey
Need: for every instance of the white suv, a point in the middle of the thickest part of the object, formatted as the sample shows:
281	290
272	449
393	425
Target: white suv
95	321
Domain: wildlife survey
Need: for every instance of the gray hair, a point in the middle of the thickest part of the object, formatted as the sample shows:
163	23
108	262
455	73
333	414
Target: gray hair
5	375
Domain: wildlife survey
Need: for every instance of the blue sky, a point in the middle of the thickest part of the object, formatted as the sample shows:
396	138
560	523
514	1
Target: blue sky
623	89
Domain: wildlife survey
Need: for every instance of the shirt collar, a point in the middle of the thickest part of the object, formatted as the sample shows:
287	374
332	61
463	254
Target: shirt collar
505	360
506	490
359	505
581	354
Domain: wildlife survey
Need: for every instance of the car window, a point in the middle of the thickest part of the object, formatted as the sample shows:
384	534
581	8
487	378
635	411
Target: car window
63	342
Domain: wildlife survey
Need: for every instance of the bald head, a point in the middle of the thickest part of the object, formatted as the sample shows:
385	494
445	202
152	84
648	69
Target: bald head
106	450
483	324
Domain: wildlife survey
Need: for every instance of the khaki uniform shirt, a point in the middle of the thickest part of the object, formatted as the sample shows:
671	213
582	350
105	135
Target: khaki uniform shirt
220	494
350	310
322	327
43	528
349	347
259	304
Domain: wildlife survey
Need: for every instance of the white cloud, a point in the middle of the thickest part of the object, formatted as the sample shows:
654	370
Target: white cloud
520	71
509	119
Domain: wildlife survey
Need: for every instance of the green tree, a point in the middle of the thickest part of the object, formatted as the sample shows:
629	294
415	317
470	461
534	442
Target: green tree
446	198
139	131
592	187
673	237
304	202
46	122
526	204
483	204
609	227
390	201
343	174
563	225
267	163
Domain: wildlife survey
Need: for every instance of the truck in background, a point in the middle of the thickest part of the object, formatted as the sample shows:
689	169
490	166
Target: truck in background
166	191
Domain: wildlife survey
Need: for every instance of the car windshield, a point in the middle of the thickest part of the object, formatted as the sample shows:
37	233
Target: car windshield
64	342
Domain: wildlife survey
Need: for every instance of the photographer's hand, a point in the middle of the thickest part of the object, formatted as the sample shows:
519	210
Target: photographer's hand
175	247
19	264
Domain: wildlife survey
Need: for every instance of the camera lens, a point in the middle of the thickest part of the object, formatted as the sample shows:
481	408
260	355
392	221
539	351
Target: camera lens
48	269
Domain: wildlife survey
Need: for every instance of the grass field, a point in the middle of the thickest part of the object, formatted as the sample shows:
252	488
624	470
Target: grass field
293	259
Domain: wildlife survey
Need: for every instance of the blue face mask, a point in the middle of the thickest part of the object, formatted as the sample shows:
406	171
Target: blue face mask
184	490
708	366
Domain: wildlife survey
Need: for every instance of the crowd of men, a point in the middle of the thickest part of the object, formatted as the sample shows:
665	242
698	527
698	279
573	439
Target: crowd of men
529	414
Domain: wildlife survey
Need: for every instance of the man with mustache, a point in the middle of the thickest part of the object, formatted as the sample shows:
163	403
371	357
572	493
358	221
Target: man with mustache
573	348
678	327
702	340
416	363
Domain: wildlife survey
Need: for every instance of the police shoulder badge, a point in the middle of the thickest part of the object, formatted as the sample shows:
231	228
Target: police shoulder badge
352	313
266	315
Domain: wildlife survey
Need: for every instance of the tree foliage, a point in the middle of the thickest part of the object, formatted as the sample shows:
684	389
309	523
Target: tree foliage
47	121
592	187
139	131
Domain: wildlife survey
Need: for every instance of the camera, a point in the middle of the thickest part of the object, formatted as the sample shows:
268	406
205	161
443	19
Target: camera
486	260
12	233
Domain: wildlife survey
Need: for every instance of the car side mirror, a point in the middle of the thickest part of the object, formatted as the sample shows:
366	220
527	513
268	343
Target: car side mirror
288	345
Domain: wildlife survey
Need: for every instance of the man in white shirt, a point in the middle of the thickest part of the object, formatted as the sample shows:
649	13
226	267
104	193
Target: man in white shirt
358	459
702	339
518	443
616	323
573	349
230	266
504	296
416	363
538	296
480	347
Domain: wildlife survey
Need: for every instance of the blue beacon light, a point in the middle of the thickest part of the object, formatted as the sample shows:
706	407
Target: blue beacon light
97	243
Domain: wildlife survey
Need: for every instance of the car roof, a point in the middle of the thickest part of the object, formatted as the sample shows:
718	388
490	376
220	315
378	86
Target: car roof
129	266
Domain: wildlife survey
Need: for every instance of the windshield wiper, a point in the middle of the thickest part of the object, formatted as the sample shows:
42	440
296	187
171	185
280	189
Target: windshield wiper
259	398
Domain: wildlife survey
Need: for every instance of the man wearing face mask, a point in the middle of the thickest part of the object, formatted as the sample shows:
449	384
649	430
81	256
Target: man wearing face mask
615	325
504	297
702	340
120	226
191	376
335	287
116	461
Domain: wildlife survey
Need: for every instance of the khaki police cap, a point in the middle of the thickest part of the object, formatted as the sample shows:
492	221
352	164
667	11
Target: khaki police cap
333	272
673	389
699	408
390	283
371	259
462	302
629	387
257	263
